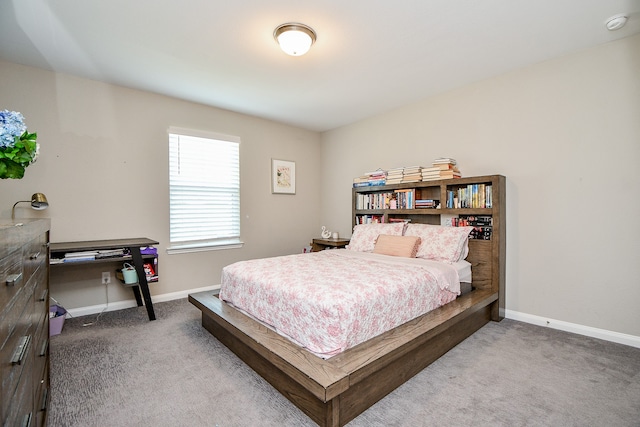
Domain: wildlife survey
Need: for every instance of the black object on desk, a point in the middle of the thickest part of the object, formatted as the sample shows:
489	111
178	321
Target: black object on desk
133	245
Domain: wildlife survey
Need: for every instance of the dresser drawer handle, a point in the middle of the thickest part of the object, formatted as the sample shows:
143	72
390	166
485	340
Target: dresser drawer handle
43	402
35	256
12	279
21	350
26	421
43	349
44	295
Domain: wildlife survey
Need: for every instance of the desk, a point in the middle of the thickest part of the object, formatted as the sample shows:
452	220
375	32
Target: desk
133	245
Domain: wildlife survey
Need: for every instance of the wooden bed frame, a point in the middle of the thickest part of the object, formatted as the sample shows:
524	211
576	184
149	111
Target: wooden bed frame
333	392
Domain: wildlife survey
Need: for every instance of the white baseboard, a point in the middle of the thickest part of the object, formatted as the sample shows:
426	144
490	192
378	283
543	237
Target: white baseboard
182	294
603	334
121	305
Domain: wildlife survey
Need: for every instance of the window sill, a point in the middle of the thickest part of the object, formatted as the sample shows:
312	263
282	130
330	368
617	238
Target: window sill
201	247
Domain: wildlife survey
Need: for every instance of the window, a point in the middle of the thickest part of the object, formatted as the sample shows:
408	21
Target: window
204	191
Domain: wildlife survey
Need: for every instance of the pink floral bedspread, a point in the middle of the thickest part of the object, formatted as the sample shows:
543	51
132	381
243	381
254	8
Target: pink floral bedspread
331	300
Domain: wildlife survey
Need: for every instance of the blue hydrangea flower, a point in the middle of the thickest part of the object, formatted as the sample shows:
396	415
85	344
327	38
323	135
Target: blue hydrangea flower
11	126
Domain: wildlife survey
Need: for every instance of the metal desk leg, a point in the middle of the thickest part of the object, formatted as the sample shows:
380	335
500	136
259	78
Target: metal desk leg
136	293
142	279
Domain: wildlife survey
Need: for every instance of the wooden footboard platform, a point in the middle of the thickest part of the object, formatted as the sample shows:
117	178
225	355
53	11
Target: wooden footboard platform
333	392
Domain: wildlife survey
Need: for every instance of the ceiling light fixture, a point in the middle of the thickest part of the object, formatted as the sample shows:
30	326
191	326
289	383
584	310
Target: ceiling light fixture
295	39
616	22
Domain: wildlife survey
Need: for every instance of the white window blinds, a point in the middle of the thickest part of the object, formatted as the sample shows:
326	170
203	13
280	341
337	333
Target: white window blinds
204	189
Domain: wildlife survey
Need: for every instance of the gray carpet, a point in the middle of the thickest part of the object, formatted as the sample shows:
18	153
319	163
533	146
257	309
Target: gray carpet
127	371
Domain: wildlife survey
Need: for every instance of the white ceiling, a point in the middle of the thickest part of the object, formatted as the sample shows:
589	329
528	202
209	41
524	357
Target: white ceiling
371	56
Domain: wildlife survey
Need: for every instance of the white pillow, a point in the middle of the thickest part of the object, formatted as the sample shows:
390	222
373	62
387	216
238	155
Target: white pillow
365	235
439	243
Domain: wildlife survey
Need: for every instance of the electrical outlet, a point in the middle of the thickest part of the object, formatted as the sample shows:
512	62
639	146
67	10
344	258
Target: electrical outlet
106	278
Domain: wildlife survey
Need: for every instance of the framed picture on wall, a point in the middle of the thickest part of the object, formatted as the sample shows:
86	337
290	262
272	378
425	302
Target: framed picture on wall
283	176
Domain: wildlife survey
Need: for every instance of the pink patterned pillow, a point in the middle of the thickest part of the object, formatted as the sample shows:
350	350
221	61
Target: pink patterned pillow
439	243
365	235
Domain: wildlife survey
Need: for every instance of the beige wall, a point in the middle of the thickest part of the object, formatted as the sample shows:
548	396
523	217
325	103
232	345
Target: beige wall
566	134
104	168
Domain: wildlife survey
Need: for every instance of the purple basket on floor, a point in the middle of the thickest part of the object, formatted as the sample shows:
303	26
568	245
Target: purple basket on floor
57	321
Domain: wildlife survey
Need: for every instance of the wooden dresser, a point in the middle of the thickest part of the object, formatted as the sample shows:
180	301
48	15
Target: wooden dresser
24	322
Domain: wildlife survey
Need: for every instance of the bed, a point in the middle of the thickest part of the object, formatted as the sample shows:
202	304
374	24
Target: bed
333	385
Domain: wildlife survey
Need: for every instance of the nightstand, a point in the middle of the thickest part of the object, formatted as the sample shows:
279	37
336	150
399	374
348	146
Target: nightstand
318	245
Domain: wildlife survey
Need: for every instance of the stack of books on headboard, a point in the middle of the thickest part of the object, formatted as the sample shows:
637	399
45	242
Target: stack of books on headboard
377	177
443	168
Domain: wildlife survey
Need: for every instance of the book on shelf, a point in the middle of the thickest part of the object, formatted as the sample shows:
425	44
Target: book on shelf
430	174
433	169
150	272
400	220
394	181
111	253
80	258
94	255
80	254
444	167
394	176
482	225
395	172
441	176
376	175
369	219
412	170
376	172
473	220
373	200
427	203
444	160
416	177
470	196
370	183
441	171
405	198
450	174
